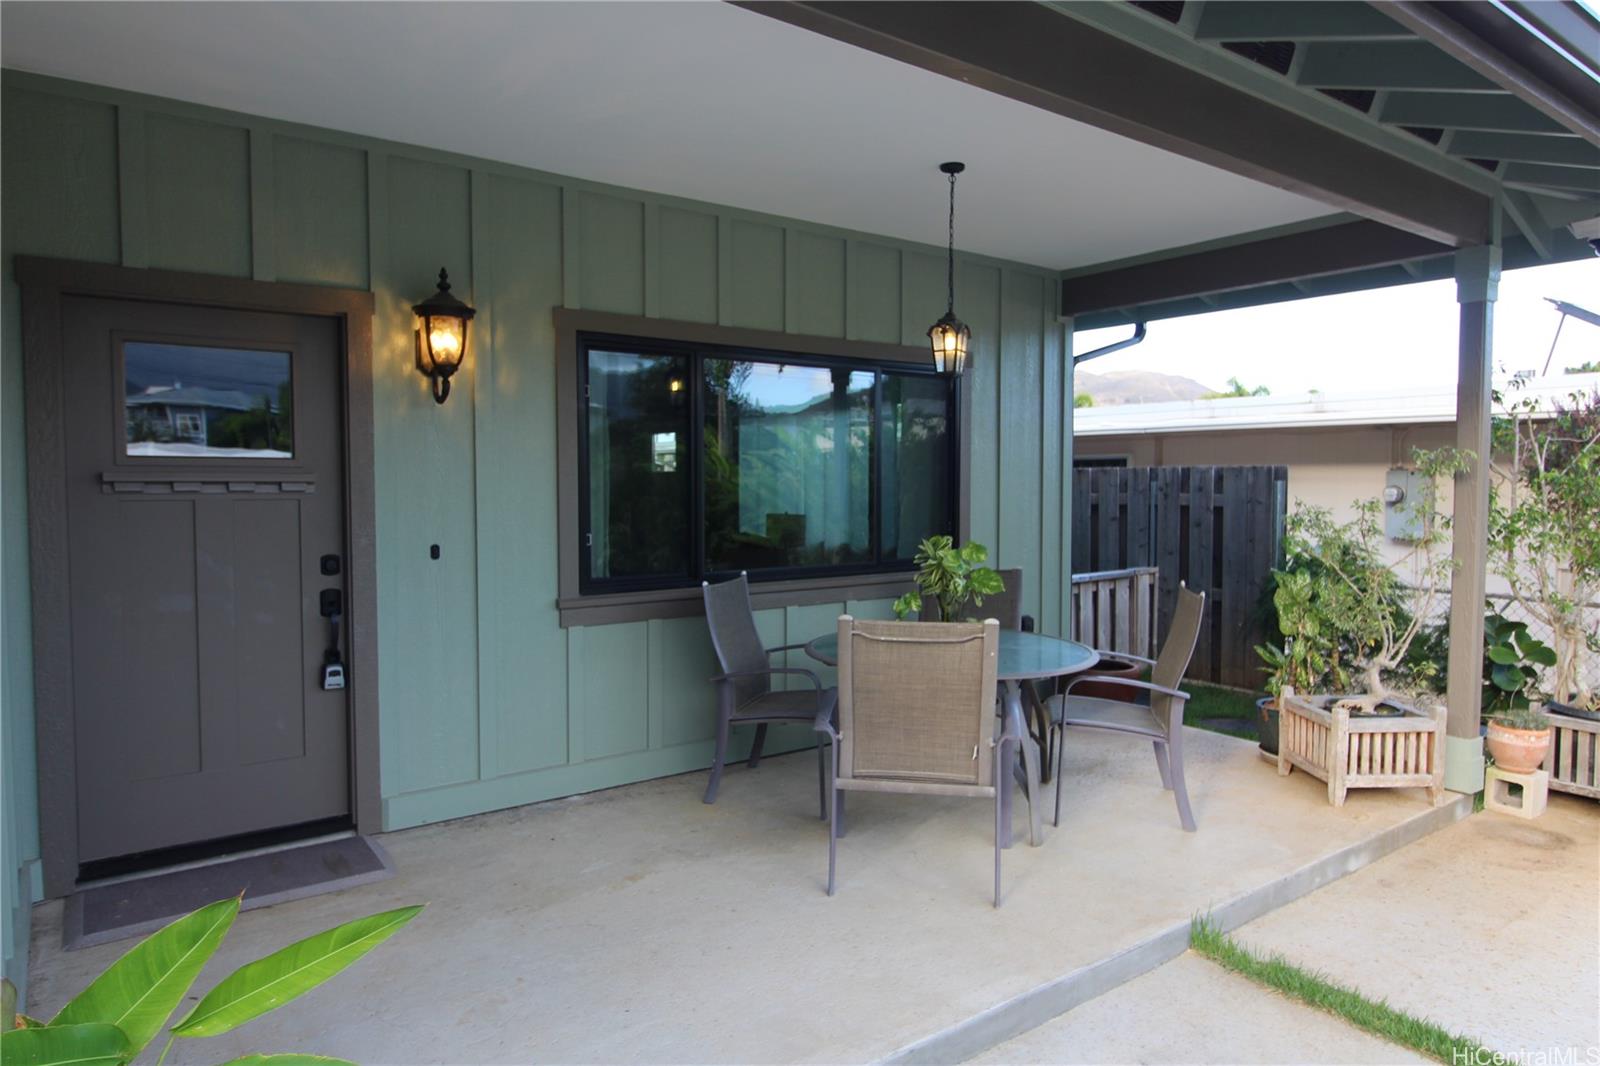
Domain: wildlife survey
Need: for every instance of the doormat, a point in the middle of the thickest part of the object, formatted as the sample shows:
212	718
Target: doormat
119	910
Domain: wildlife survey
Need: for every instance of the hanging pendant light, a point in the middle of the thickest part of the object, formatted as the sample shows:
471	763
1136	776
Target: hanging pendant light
950	336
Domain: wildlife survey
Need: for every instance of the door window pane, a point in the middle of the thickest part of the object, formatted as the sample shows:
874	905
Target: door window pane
916	462
189	401
638	477
788	460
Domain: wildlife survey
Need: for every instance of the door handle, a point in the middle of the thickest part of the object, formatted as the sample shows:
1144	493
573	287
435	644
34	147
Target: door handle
331	602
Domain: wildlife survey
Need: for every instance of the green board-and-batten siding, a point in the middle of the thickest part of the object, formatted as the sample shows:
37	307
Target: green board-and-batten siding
486	701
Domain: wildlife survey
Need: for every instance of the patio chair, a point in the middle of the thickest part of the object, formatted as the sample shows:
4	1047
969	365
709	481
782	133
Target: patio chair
916	716
745	695
1006	607
1154	708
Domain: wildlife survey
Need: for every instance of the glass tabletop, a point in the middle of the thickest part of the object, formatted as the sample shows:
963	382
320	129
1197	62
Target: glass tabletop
1022	655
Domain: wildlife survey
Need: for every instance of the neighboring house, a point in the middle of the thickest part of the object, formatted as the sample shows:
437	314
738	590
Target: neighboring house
181	414
1339	446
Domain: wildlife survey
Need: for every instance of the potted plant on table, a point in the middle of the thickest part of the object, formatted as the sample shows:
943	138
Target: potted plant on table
954	578
1544	537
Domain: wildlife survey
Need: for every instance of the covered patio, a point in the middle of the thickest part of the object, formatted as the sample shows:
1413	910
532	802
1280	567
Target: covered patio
639	925
634	200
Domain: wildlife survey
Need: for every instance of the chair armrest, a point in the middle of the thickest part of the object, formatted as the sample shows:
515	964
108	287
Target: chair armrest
798	671
1177	694
788	647
1123	655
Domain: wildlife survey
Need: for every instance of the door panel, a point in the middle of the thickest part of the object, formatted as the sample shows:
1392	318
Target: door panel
205	481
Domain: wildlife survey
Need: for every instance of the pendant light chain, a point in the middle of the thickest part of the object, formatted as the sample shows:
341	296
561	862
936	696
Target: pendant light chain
950	256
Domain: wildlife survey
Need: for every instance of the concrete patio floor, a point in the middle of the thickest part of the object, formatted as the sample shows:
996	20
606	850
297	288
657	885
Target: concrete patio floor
638	925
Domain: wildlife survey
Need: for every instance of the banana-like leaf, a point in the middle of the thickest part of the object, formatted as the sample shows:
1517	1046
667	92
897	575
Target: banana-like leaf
288	1058
139	992
269	983
88	1044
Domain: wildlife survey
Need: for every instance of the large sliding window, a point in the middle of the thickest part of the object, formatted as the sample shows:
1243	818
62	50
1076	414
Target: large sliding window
698	462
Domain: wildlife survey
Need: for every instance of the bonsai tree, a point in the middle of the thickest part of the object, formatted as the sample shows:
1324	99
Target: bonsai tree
1544	535
1373	610
954	577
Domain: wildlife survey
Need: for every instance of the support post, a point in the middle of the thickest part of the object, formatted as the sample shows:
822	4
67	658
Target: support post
1477	281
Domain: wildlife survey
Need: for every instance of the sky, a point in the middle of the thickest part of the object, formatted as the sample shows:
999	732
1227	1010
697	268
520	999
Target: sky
1401	336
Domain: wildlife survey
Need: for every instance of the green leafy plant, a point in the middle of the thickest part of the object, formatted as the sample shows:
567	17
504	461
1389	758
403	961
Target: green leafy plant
1352	616
954	577
1512	657
121	1012
1543	535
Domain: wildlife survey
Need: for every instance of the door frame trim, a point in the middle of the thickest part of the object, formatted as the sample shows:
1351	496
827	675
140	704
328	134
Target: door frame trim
44	284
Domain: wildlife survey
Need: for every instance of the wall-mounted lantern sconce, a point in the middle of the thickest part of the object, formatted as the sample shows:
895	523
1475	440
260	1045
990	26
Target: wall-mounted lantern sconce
950	336
441	336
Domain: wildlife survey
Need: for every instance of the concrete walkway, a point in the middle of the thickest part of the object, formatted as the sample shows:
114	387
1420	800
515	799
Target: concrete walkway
1489	928
1193	1011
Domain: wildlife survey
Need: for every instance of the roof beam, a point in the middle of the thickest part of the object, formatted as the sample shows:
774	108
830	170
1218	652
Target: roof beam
1310	20
1577	179
1580	114
1463	111
1054	60
1280	259
1525	148
1386	65
1524	214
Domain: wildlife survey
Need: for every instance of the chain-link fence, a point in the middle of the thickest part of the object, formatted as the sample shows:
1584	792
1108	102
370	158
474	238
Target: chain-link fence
1511	610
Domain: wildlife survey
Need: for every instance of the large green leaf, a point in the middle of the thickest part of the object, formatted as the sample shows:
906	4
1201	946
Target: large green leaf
140	990
1507	678
88	1044
1503	654
266	984
288	1058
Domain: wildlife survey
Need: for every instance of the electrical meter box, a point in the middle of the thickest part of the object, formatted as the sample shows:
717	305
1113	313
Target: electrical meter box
1402	496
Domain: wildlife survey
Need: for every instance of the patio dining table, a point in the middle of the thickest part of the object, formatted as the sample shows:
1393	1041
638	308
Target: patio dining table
1023	657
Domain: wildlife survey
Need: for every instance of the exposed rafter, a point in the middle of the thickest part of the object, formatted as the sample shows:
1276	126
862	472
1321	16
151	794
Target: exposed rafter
1311	20
1387	65
1502	113
1053	58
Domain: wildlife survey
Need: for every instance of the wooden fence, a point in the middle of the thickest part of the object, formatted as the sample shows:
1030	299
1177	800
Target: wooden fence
1217	528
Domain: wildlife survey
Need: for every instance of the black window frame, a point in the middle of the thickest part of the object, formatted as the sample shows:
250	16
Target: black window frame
697	354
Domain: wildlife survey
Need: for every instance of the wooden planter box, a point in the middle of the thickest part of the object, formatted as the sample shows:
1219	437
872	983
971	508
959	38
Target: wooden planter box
1574	759
1360	752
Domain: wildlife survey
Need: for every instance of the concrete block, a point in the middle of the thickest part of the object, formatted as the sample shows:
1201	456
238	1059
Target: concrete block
1533	791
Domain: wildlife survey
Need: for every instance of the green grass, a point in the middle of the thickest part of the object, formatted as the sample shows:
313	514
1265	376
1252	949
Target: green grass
1315	990
1213	701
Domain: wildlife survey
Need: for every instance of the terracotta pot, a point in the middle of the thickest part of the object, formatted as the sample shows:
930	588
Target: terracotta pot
1518	751
1110	666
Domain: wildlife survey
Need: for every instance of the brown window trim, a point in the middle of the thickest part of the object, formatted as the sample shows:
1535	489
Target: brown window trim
608	608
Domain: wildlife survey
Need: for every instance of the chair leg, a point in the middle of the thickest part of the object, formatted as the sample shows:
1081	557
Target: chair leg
715	783
1179	791
822	780
755	748
999	764
833	819
1059	735
1161	763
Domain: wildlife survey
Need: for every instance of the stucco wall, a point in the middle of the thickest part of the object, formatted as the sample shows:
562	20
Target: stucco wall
486	701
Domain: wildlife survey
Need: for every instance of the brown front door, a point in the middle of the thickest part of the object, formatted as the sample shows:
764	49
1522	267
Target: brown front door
206	540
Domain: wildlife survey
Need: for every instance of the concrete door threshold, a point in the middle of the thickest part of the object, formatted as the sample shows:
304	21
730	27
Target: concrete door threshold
1017	1015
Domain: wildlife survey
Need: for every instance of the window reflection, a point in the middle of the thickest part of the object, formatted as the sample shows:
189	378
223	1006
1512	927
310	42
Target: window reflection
190	401
788	460
638	466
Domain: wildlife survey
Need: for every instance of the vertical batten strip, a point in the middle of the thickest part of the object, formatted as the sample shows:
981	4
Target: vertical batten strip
133	205
481	353
1066	448
791	282
571	249
377	222
724	270
577	693
652	260
262	205
655	684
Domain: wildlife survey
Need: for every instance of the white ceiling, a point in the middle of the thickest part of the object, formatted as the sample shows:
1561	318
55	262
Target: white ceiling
701	100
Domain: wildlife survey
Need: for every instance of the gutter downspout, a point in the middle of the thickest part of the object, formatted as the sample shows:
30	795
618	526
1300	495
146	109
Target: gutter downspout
1138	335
